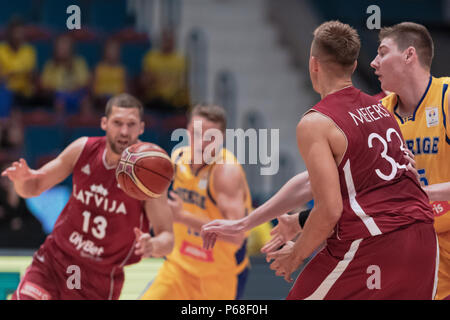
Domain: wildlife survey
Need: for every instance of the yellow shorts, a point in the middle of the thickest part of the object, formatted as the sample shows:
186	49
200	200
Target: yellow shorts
443	287
173	283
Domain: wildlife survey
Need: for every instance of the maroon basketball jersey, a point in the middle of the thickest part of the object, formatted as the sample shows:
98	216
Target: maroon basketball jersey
379	194
96	226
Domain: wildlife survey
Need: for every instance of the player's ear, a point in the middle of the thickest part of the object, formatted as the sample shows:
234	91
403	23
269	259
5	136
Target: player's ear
103	122
355	64
141	130
314	64
409	54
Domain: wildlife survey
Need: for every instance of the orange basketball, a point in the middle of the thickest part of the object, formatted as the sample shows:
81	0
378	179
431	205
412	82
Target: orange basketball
144	171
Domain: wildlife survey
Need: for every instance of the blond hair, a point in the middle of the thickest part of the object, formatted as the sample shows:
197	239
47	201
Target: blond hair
210	112
338	43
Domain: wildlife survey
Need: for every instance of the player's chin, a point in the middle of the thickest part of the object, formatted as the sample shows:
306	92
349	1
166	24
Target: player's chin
118	148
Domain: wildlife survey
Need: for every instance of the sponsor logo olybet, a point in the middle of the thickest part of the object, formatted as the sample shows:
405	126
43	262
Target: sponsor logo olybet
251	146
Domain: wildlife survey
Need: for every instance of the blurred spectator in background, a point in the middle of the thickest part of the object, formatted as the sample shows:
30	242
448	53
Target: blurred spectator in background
18	227
17	68
110	77
164	78
66	77
11	136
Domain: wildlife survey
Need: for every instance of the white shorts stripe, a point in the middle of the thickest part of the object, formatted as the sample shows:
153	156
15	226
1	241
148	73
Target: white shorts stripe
330	280
436	270
367	220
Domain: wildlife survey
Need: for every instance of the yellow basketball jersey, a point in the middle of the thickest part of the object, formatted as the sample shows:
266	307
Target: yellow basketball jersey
198	194
427	135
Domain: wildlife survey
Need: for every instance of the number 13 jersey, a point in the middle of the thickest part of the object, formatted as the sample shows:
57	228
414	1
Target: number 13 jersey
96	226
379	195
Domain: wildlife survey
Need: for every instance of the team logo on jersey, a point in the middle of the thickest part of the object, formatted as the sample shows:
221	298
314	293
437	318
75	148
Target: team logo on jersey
86	169
99	189
432	115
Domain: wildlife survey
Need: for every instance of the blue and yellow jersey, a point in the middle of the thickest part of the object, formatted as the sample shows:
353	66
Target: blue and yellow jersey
427	135
198	194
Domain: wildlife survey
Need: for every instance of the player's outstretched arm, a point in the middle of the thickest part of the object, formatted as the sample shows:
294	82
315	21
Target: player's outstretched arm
438	191
314	144
294	194
158	212
31	183
230	193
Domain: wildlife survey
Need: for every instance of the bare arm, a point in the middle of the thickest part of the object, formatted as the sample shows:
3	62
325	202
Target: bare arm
438	191
160	217
182	216
230	197
294	194
31	183
159	214
313	142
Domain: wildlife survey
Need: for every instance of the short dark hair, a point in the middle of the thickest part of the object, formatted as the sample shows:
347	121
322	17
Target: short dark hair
337	42
124	100
211	112
410	34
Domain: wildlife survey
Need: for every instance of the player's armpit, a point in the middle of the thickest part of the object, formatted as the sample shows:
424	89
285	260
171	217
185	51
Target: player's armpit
230	191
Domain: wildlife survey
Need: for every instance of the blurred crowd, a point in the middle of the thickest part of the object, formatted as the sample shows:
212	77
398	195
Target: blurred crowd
66	85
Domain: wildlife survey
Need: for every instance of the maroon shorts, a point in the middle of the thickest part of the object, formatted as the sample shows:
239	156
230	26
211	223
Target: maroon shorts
398	265
64	279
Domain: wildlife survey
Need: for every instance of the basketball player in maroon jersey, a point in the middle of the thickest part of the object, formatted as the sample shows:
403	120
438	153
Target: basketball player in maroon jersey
368	208
101	229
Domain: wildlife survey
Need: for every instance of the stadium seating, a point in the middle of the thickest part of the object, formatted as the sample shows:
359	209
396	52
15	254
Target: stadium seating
42	140
108	15
21	8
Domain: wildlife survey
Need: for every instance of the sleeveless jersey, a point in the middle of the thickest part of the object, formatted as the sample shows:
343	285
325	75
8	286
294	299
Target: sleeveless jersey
96	227
198	195
379	195
427	135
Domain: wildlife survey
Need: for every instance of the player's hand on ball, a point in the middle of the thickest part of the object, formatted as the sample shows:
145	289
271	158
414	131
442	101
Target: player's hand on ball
144	246
285	262
176	205
286	229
